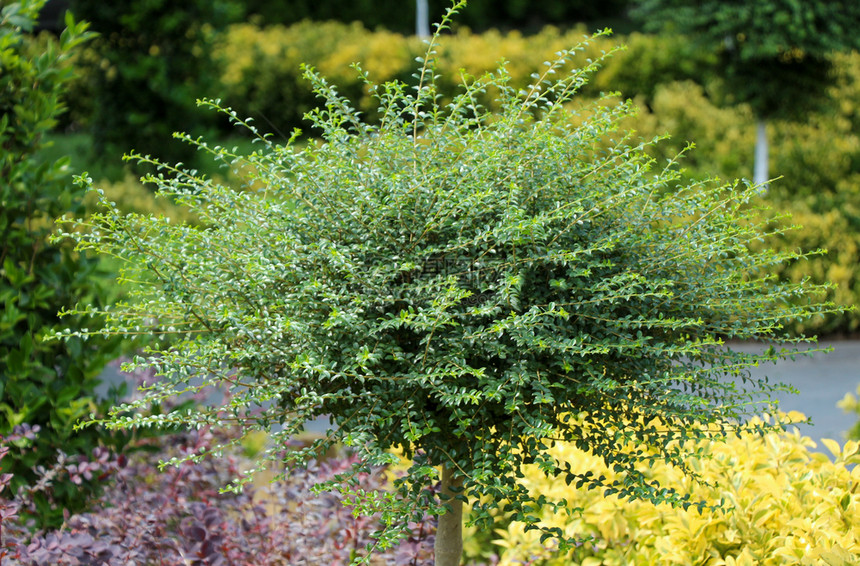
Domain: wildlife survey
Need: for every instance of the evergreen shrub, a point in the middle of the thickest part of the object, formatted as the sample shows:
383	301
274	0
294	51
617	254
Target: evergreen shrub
818	160
47	385
468	286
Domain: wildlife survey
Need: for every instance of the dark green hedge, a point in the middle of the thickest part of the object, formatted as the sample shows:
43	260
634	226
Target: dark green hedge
44	382
399	15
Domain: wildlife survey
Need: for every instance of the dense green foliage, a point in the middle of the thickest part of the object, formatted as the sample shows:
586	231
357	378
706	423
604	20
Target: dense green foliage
150	61
468	286
42	382
669	78
399	15
774	53
818	158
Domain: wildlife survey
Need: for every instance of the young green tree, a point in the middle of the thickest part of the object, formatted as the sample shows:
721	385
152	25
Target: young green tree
774	54
43	383
461	287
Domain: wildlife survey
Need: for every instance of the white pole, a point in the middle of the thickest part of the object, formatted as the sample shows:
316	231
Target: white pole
760	175
422	19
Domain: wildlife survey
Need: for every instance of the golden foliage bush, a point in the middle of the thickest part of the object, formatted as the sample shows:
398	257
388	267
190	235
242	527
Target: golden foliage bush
837	230
784	505
819	156
722	136
649	61
261	66
851	404
477	54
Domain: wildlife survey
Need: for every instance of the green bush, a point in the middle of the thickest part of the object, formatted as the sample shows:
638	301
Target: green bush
42	382
786	505
774	55
819	160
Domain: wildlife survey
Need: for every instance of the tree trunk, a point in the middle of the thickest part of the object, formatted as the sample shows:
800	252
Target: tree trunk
760	176
449	532
422	19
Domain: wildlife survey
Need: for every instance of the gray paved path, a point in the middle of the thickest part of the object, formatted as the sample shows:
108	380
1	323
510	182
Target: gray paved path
822	380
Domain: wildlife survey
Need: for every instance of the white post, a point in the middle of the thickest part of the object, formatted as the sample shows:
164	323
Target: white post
760	175
422	19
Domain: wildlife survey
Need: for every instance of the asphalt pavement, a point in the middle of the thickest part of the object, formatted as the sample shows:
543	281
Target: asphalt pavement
822	380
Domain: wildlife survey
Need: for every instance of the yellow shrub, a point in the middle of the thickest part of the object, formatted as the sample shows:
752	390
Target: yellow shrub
850	404
649	61
790	506
724	137
817	156
835	228
261	67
